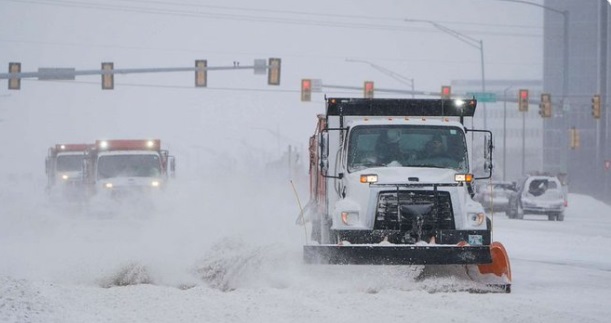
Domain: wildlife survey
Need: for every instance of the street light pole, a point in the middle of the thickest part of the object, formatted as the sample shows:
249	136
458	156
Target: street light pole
564	122
479	44
505	132
390	73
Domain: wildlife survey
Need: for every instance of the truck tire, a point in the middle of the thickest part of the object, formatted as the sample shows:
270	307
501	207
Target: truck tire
551	216
520	212
511	212
560	216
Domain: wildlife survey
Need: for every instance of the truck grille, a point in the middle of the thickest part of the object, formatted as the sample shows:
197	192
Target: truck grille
432	209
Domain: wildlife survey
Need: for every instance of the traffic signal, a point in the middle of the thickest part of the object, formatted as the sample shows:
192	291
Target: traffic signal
14	83
368	90
596	106
273	72
108	79
201	73
523	100
446	92
574	138
306	90
545	107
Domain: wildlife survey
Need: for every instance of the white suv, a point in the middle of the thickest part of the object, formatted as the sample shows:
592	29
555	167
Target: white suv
540	194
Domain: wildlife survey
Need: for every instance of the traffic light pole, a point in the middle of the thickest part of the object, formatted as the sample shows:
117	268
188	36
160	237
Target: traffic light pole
602	91
70	73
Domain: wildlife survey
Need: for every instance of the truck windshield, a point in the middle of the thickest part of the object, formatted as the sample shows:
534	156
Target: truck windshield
129	166
407	146
69	163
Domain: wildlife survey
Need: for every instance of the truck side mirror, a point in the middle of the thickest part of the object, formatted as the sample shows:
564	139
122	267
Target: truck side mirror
324	153
47	168
172	166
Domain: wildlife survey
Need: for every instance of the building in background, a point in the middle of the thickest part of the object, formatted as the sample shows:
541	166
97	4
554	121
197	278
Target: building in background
576	42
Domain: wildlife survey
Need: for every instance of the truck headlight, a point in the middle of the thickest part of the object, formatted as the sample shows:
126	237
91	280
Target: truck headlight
65	177
468	178
477	219
108	185
369	178
350	218
155	184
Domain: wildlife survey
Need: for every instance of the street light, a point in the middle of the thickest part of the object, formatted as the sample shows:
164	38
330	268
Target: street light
565	40
479	44
388	72
562	122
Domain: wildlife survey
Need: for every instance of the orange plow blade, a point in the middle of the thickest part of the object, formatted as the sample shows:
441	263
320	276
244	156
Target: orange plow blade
496	274
500	265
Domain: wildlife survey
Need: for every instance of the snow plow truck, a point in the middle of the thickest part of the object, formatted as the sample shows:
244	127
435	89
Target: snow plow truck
122	168
391	183
64	169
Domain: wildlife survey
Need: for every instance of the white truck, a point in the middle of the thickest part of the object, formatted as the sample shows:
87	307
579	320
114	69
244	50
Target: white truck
64	169
391	182
119	168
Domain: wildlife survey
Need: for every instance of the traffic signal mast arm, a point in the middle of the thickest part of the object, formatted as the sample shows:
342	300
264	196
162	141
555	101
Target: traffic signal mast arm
15	74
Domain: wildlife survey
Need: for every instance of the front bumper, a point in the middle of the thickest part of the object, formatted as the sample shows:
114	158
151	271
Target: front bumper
396	254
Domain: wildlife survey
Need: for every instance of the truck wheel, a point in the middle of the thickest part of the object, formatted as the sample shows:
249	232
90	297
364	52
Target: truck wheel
511	213
520	212
551	216
560	216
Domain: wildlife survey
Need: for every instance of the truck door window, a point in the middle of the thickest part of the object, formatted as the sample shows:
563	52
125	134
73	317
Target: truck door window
69	163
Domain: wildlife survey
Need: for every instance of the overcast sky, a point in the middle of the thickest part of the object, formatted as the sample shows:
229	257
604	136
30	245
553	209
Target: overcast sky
314	39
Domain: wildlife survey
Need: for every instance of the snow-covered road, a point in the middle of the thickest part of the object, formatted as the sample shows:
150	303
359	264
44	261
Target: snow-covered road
210	256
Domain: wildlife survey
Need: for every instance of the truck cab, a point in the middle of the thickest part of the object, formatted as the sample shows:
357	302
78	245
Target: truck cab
64	169
127	167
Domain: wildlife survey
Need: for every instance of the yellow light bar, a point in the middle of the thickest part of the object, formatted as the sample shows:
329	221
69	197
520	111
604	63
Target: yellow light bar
467	178
369	178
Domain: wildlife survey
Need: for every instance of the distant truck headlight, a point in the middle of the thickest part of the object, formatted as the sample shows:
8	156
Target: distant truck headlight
155	184
65	177
108	185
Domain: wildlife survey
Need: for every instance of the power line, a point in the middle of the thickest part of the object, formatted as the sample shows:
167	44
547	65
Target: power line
263	19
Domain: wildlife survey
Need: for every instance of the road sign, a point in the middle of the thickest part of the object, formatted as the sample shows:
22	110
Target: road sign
260	66
483	96
56	73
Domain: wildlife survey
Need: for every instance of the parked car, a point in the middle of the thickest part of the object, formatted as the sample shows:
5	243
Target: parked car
494	196
540	195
